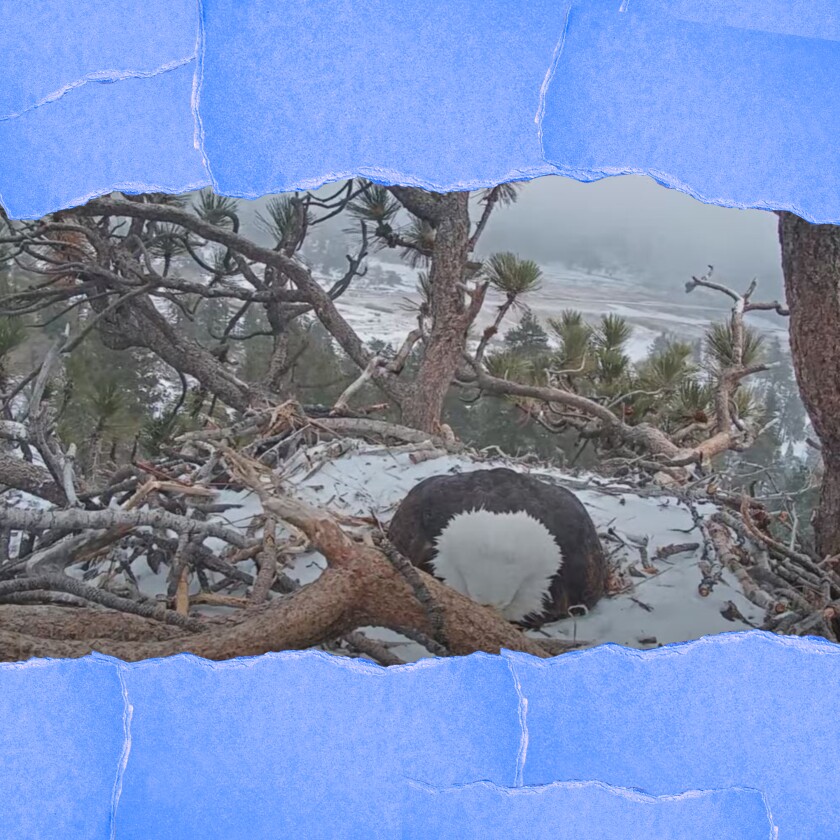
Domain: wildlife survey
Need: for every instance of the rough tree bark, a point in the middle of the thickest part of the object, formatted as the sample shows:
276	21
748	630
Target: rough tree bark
442	351
17	473
811	266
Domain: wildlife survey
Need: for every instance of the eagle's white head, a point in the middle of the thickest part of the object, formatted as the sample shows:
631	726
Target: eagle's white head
503	560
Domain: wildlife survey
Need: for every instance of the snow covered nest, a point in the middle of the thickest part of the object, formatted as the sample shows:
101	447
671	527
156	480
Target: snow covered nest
662	604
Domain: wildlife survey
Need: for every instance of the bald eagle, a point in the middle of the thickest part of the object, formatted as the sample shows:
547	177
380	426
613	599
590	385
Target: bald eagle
504	539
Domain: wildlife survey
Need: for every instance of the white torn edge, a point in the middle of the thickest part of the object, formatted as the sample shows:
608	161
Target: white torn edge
375	174
101	77
389	177
633	794
128	713
664	179
198	81
522	752
549	75
107	76
128	187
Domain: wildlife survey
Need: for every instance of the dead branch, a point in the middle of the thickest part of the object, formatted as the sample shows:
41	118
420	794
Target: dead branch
380	429
96	595
75	520
742	300
267	563
342	404
421	591
377	651
722	541
762	537
30	478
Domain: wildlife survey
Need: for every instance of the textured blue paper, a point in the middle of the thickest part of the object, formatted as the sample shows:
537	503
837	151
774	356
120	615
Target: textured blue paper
748	709
725	737
433	93
307	745
62	738
807	18
736	103
571	811
718	99
136	135
51	46
733	116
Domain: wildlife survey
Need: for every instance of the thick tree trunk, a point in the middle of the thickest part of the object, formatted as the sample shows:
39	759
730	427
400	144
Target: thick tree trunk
827	523
276	379
280	318
811	265
445	345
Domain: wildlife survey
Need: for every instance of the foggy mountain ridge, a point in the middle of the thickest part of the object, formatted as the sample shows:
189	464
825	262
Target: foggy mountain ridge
626	224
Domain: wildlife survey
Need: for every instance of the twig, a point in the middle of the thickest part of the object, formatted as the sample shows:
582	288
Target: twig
63	583
267	561
371	648
409	572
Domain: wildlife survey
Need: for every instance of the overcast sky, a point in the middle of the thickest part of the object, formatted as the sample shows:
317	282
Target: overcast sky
663	231
632	222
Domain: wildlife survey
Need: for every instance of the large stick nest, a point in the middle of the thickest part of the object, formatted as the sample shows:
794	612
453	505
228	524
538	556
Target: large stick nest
268	535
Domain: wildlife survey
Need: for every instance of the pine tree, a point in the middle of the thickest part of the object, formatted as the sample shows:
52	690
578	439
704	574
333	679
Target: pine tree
528	337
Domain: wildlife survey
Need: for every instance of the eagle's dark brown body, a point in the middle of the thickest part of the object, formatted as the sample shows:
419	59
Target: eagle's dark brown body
430	506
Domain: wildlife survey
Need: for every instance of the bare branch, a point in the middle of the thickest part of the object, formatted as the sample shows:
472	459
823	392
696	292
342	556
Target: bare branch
77	519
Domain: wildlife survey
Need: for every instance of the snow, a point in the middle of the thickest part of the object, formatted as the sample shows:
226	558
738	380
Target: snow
800	449
388	312
665	607
354	478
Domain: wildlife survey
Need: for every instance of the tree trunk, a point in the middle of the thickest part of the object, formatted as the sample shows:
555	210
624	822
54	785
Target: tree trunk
811	265
276	379
443	350
827	522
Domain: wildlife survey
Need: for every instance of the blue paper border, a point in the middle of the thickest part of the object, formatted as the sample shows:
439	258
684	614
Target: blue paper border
755	20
